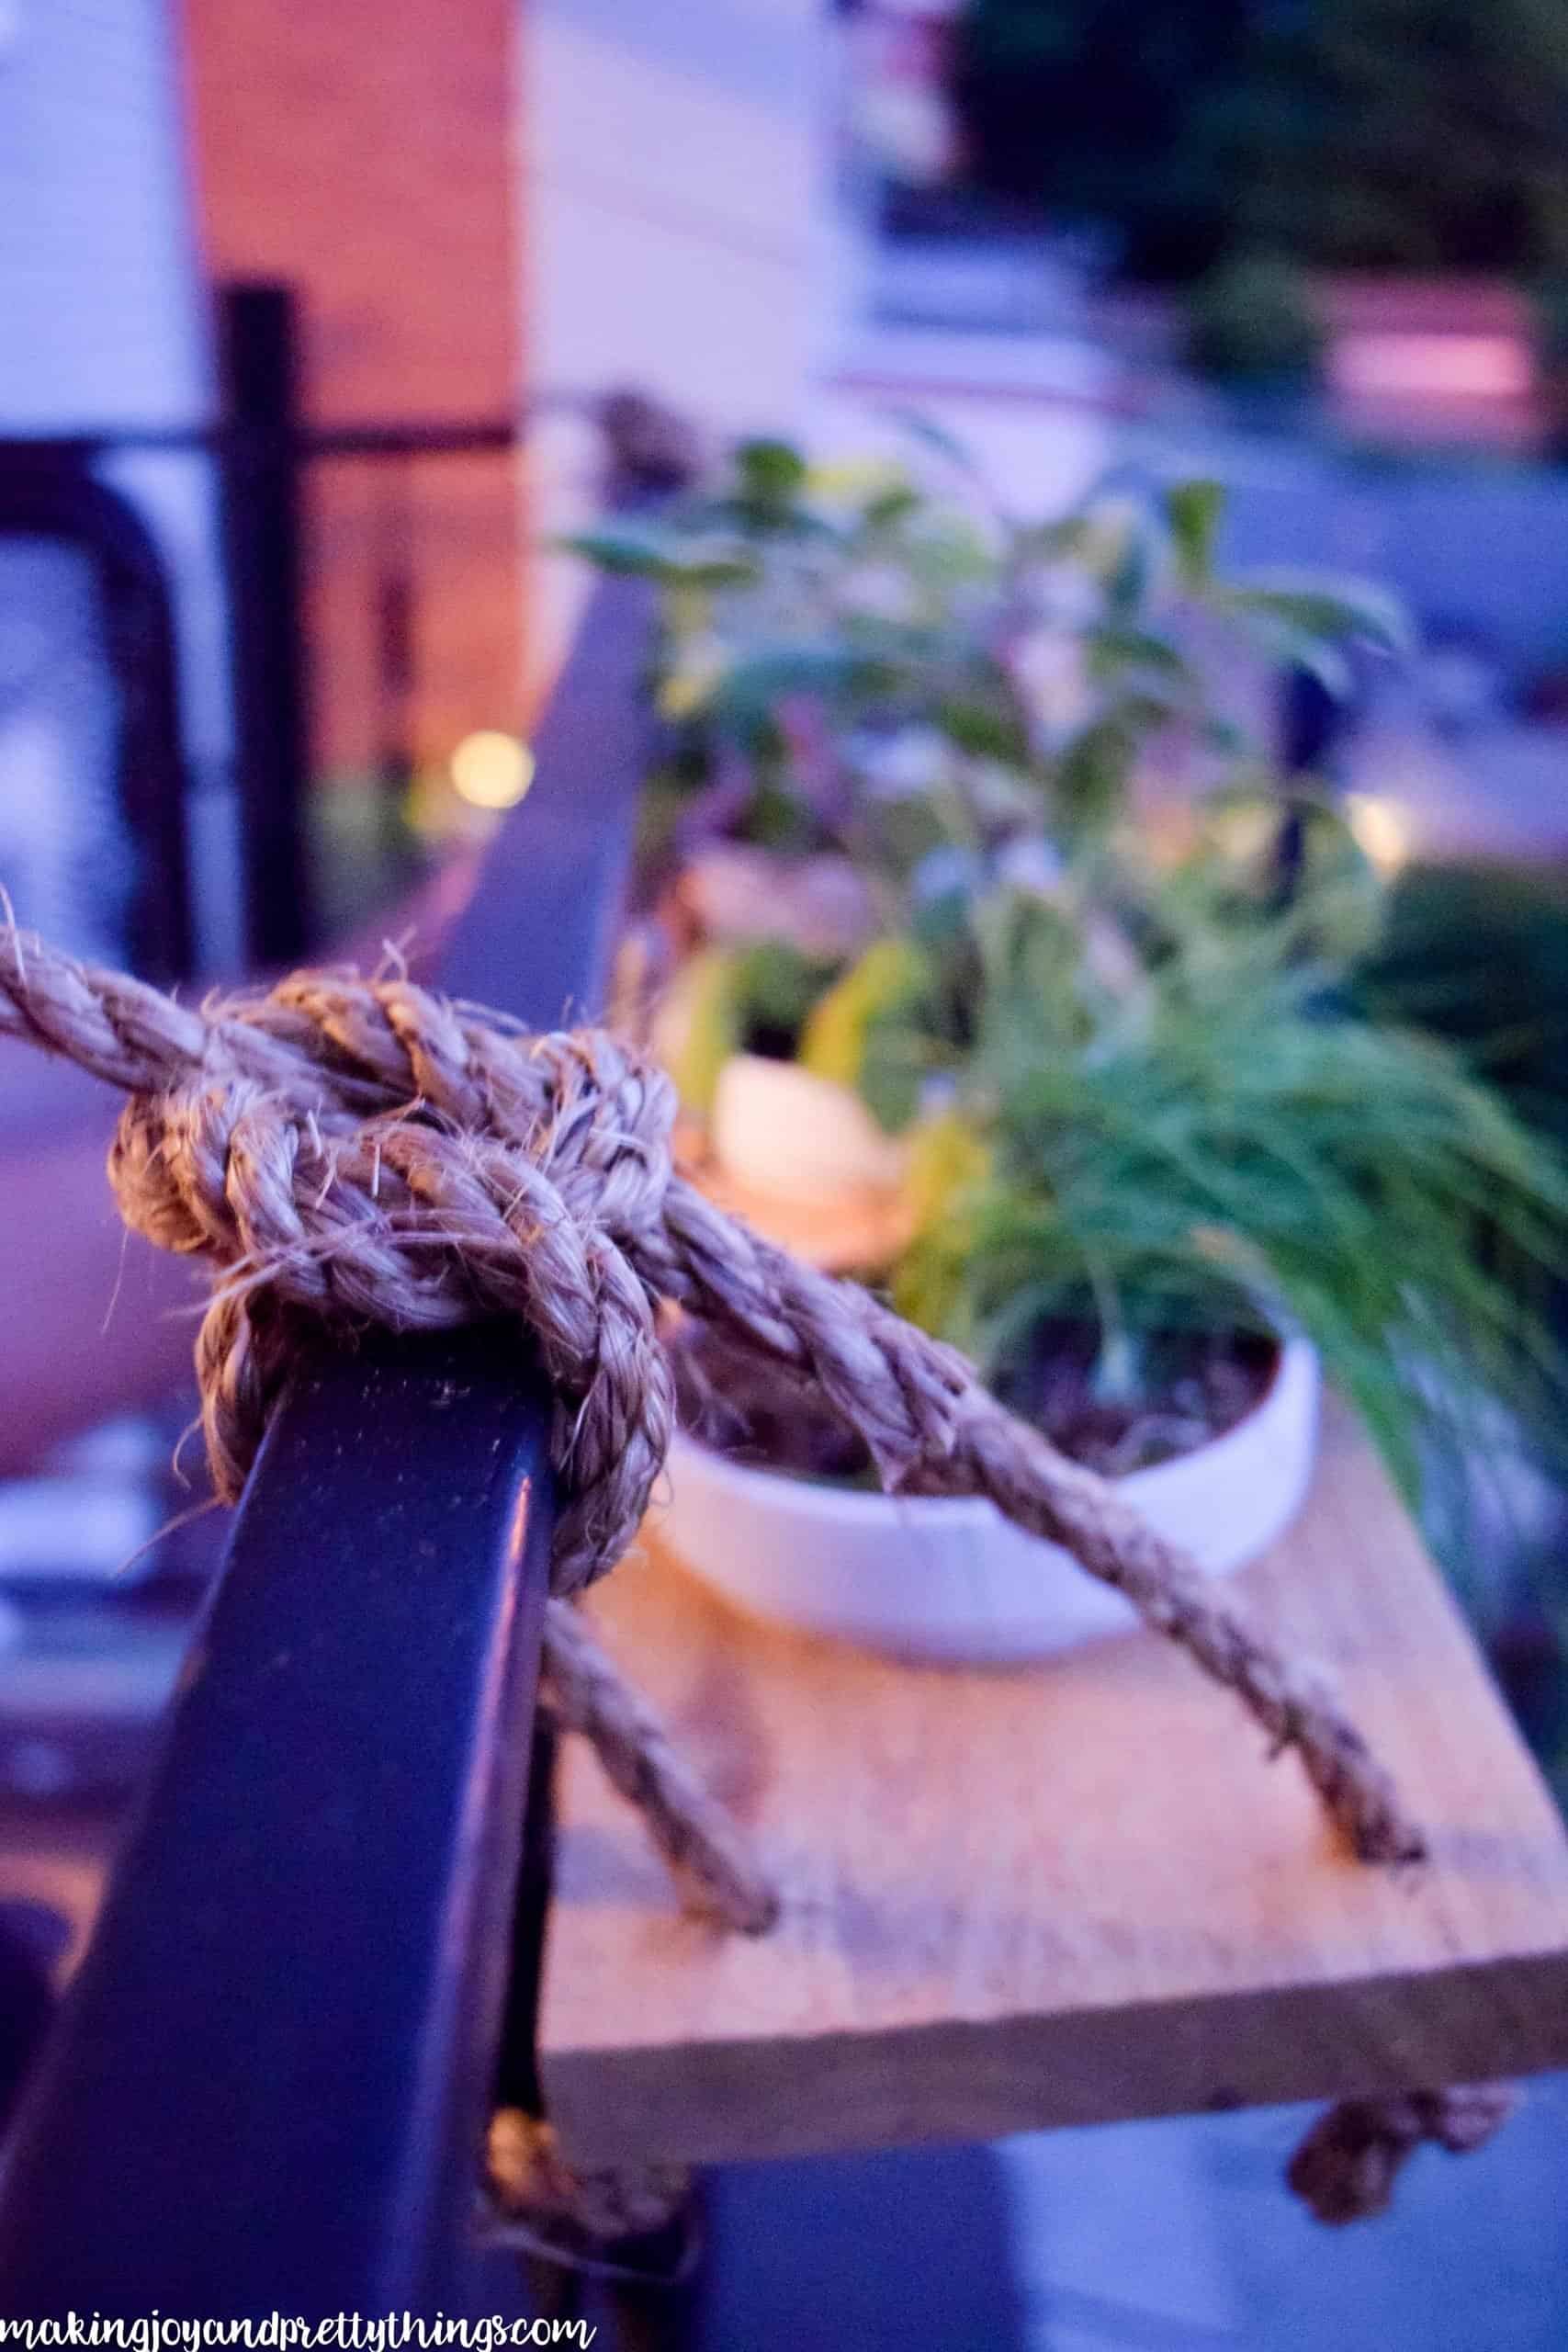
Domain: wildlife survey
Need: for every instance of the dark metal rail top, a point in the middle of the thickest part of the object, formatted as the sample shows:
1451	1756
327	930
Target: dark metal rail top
392	437
268	2087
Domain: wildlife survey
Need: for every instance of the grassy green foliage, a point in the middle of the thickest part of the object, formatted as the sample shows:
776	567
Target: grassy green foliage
1234	1144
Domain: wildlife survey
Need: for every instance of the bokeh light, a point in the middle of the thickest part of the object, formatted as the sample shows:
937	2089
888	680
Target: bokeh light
1381	828
491	770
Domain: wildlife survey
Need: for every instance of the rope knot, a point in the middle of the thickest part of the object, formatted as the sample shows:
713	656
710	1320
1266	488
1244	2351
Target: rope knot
350	1152
354	1154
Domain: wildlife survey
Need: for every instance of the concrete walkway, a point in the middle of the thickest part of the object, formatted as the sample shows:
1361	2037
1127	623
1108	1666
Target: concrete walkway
1165	2236
1175	2236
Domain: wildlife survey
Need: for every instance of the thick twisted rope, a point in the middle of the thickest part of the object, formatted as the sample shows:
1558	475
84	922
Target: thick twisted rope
350	1152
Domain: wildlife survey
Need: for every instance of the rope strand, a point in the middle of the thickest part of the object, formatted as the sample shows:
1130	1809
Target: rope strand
1345	2169
695	1836
349	1152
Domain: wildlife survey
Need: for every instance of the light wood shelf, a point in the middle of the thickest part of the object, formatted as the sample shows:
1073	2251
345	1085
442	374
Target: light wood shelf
1060	1893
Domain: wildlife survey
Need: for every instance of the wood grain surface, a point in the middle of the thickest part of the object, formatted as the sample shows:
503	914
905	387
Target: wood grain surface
1067	1892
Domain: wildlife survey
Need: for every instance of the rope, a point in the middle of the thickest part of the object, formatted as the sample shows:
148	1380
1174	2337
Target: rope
700	1842
347	1152
1345	2169
540	2203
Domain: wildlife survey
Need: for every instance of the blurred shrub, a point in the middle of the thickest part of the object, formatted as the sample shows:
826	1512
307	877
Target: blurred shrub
1421	135
1479	955
1251	324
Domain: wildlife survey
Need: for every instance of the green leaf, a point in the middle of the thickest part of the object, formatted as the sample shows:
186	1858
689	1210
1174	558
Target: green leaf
984	730
1092	775
759	520
710	571
776	984
949	1158
1334	610
1193	509
1053	542
633	555
771	473
710	991
937	439
618	551
1117	648
754	685
892	505
1293	647
893	1073
777	819
872	1031
1128	585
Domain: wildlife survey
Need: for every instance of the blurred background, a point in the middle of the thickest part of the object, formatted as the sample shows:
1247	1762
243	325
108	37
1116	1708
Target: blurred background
318	323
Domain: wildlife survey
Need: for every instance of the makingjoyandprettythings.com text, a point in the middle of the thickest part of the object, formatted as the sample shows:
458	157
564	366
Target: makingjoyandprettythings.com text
286	2332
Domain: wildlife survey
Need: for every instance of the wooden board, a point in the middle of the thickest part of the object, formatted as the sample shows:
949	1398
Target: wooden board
1055	1894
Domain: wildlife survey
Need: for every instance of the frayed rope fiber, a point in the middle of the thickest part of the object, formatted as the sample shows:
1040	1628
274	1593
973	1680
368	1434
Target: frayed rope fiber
349	1153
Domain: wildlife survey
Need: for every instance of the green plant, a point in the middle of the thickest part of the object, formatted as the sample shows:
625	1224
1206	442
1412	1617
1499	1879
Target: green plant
1142	1097
1250	322
1233	1145
854	660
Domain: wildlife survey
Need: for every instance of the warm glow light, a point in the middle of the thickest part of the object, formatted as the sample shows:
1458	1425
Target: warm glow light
490	770
1383	830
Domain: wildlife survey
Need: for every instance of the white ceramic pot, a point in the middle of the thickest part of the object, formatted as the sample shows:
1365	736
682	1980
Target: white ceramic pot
939	1578
782	1130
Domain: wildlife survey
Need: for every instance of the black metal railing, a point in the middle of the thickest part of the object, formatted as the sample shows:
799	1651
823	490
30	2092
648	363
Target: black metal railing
49	494
267	2087
263	450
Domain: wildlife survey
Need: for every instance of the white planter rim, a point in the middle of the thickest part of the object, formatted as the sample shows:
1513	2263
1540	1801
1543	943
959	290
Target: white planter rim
1295	1367
947	1577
